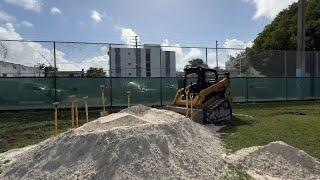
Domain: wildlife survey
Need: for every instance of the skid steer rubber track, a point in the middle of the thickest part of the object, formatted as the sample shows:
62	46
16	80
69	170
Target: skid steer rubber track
218	112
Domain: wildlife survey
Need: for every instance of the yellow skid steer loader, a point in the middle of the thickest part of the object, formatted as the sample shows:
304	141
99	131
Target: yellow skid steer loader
205	96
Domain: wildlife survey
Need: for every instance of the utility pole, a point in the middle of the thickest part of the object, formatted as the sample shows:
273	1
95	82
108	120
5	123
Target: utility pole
138	57
217	59
136	41
300	69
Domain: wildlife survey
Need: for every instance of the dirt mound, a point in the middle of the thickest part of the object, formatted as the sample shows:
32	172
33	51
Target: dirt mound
277	160
138	143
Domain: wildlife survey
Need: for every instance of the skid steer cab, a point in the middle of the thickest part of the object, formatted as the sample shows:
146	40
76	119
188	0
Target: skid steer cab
205	96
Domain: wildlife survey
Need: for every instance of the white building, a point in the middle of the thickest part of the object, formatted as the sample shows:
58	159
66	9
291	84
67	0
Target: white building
142	62
233	67
8	69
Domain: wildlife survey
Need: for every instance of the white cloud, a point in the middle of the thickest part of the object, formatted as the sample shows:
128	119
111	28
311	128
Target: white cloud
97	62
127	36
183	55
96	16
8	32
33	5
55	11
269	8
104	49
27	24
193	54
236	44
235	47
5	17
28	53
31	53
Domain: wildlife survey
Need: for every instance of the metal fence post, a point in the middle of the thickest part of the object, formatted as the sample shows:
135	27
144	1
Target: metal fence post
317	74
55	71
286	74
317	64
110	75
247	93
286	78
207	56
285	64
161	95
241	62
217	60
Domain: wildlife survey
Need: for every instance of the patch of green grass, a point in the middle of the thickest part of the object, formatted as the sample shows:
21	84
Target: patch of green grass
20	129
297	124
234	173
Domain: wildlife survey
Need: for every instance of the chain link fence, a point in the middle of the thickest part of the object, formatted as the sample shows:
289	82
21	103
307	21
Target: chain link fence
35	74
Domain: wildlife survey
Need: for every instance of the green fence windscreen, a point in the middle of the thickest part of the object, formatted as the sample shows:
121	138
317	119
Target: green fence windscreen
82	87
143	91
239	89
26	93
302	88
170	87
39	93
318	87
266	89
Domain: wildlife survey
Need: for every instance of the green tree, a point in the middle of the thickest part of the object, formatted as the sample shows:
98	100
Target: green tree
281	34
95	72
49	68
195	63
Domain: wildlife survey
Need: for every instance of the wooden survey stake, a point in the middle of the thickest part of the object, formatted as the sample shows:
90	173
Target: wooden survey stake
85	100
55	106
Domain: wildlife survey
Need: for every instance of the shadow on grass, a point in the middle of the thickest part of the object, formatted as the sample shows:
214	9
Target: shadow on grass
235	123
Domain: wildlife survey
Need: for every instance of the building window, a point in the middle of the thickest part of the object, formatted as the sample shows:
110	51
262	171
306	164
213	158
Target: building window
4	75
129	74
129	53
148	63
14	66
129	64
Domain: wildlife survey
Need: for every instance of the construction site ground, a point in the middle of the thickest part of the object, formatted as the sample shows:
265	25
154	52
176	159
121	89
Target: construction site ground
296	123
264	141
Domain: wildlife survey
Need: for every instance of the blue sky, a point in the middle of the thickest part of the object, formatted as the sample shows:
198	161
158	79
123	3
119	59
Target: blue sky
234	23
187	22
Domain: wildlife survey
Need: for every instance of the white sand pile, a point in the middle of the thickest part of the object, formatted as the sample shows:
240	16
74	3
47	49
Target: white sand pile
137	143
277	160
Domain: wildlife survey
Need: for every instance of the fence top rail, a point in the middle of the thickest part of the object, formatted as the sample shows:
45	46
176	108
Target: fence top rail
139	45
113	44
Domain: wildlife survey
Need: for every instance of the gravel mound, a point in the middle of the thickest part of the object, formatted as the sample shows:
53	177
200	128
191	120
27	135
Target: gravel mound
277	160
137	143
